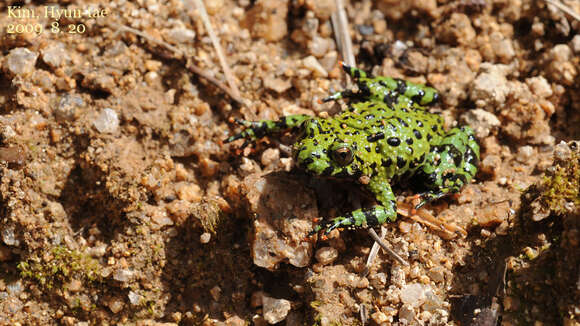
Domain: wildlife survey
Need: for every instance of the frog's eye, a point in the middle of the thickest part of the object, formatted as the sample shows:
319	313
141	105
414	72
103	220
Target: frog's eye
342	154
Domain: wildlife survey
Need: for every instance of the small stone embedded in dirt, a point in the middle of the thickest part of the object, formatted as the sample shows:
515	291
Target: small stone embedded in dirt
116	305
8	237
525	153
560	67
313	65
413	294
134	298
490	89
284	209
67	107
482	122
456	30
321	8
407	313
490	164
278	85
55	55
319	46
326	255
275	310
540	86
74	285
205	237
123	275
179	35
21	61
107	121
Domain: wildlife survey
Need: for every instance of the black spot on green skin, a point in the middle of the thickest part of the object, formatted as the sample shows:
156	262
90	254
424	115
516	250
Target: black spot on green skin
394	141
442	162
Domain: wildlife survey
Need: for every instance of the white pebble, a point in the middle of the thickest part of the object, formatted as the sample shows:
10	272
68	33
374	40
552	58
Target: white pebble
413	294
326	255
180	35
55	55
134	298
21	61
107	121
8	237
205	237
313	65
123	275
275	310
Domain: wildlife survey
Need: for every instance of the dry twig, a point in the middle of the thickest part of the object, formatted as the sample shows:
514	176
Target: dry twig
218	48
342	36
564	8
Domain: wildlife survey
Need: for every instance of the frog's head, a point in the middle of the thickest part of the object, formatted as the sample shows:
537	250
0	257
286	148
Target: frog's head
320	151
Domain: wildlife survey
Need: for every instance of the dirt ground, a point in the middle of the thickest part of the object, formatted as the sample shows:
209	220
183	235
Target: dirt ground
120	204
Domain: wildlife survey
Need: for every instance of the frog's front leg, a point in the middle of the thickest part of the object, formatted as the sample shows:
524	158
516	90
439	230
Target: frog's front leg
366	217
258	129
449	165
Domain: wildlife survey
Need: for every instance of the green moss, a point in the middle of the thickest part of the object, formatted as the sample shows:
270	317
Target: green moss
563	185
60	266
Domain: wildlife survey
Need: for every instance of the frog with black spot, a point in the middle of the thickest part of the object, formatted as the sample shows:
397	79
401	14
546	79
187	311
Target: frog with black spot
384	136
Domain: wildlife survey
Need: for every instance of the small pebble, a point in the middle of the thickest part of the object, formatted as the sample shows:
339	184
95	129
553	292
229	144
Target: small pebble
67	107
107	121
21	61
123	275
275	310
205	237
8	237
326	255
413	294
55	55
134	298
482	122
525	153
179	35
313	65
407	313
75	285
278	85
115	305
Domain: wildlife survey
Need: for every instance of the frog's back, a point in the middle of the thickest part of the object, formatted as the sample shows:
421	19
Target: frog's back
396	138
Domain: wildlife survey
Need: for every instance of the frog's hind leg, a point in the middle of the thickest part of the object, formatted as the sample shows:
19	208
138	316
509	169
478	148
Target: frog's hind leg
389	90
449	165
366	217
258	129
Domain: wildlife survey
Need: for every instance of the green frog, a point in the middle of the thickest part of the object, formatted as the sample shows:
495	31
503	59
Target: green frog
385	136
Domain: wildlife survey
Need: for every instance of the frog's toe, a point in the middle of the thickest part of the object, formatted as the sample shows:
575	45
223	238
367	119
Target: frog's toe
330	225
429	196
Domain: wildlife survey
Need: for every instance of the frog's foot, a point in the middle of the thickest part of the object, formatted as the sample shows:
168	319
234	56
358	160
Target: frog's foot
251	132
338	95
428	196
335	223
